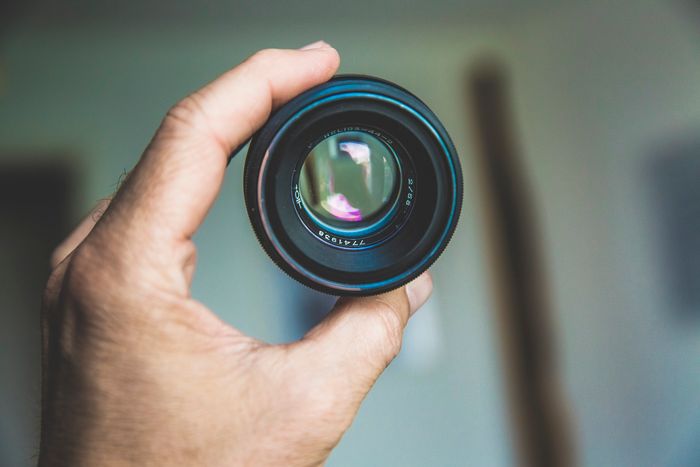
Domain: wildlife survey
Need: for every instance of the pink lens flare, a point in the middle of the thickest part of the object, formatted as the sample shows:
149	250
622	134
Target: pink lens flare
338	205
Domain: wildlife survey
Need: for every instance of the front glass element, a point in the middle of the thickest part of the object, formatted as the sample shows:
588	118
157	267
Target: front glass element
349	180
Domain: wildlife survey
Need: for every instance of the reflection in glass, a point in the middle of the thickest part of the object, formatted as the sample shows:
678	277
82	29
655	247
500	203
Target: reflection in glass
348	178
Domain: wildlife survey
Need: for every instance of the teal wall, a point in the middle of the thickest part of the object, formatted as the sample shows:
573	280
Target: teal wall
596	85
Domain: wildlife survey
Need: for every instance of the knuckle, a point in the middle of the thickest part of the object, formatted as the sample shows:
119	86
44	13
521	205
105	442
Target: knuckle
266	56
82	273
188	113
390	327
91	273
53	286
58	255
193	117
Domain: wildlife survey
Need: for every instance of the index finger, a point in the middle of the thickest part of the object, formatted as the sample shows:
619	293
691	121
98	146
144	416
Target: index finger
171	189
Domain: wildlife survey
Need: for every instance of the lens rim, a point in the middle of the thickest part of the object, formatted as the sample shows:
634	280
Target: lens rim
428	147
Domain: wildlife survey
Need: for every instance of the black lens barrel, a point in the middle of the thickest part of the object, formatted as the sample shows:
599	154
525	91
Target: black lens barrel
389	254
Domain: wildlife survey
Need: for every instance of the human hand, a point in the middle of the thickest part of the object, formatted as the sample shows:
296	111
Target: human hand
137	372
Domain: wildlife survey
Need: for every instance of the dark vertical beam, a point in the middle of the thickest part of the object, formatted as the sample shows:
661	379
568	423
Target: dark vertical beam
541	427
36	212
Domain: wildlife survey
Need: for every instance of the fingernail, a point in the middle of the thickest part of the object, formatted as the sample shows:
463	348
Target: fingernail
314	45
419	290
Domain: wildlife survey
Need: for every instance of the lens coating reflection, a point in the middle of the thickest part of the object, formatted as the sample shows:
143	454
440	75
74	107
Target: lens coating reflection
349	180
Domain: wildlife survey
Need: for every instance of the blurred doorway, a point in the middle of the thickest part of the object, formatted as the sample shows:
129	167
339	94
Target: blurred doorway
35	208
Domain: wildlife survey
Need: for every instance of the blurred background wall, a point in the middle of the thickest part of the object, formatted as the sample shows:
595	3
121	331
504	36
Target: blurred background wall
601	90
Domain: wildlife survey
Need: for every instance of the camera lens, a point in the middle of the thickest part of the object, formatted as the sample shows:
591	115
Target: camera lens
353	187
349	182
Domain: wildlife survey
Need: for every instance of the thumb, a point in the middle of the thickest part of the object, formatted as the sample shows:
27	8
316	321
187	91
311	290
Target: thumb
361	336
